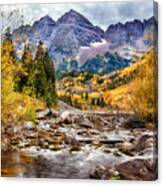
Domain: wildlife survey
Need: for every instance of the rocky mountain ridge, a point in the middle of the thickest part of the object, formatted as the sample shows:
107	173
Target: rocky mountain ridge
72	31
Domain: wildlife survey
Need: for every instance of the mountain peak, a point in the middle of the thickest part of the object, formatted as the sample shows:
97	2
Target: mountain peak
73	17
72	11
44	20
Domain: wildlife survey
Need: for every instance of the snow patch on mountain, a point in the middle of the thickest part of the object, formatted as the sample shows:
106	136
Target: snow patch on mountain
95	48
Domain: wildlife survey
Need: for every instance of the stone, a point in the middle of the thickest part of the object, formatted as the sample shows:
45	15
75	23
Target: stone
126	148
82	132
117	153
54	147
138	169
110	141
71	140
107	150
14	141
43	114
86	123
85	140
134	123
32	135
29	125
66	117
94	132
75	148
144	142
98	172
55	114
24	144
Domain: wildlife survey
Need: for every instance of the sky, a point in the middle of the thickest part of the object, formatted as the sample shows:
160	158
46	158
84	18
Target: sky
100	14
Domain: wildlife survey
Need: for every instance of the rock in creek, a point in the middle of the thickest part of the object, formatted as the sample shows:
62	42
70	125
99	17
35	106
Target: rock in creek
144	142
138	169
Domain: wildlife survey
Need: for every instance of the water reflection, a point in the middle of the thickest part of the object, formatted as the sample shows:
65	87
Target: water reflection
58	165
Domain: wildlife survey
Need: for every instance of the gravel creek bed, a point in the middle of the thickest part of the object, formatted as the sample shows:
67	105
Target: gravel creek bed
79	145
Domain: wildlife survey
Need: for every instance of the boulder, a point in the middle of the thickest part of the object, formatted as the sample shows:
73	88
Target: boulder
132	123
126	147
144	142
138	169
43	114
98	172
102	172
29	125
66	117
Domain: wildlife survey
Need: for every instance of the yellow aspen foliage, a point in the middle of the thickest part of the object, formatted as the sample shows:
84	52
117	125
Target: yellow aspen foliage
15	106
144	88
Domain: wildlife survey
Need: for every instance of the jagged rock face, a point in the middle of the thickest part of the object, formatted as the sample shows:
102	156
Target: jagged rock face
64	37
40	30
151	31
130	32
72	31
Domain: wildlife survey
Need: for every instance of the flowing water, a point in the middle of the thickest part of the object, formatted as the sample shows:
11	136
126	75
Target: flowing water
49	164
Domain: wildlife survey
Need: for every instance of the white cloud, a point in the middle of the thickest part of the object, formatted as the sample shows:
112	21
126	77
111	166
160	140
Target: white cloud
101	14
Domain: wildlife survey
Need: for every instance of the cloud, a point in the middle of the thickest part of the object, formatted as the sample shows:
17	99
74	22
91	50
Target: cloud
101	14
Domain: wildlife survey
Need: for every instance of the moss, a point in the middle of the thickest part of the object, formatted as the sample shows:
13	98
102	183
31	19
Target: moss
118	177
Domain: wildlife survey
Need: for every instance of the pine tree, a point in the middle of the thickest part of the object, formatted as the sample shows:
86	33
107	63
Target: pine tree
50	76
24	78
40	81
86	96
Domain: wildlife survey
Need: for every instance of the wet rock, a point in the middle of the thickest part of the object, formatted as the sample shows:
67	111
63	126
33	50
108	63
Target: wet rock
98	172
144	142
75	148
138	169
149	152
